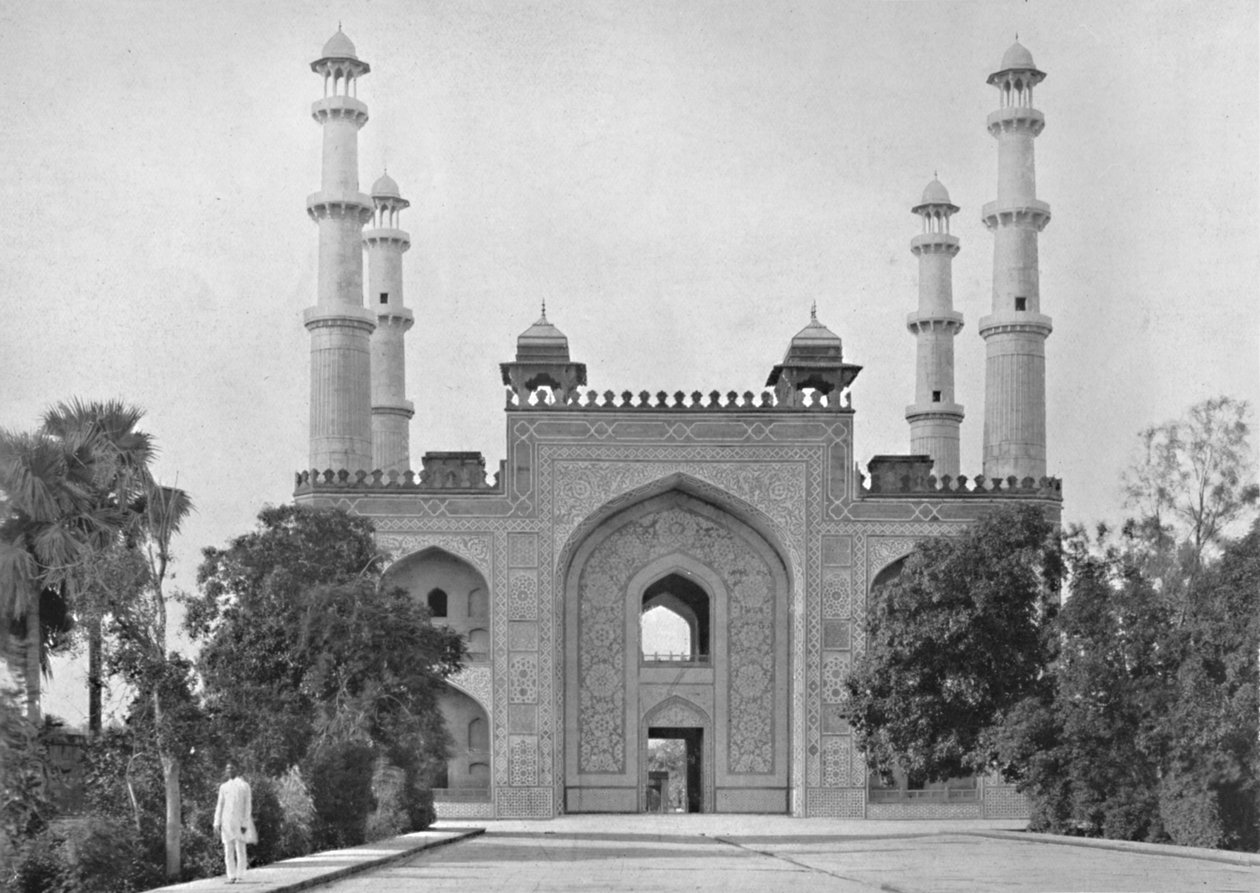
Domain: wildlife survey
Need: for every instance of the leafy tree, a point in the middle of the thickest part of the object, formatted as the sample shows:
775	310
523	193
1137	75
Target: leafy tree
955	643
308	657
1211	781
129	577
1091	746
1193	478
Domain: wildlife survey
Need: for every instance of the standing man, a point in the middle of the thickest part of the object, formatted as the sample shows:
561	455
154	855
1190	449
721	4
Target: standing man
234	820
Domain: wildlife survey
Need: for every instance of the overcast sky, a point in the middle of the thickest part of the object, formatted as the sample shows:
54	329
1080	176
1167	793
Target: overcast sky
679	181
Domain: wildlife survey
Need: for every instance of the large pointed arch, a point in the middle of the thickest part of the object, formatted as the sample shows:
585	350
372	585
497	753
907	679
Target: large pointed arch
667	528
679	482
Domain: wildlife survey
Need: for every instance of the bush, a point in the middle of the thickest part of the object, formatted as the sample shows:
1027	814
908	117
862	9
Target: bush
341	787
297	815
92	853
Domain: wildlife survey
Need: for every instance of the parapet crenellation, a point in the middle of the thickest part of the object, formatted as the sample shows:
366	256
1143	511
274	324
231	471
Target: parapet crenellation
947	486
443	472
806	399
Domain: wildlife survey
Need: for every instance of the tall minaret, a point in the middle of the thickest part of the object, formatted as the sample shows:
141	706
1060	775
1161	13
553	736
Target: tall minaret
340	326
934	417
1015	332
391	410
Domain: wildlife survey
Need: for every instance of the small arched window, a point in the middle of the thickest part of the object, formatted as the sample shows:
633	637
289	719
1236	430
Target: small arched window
479	645
478	735
437	602
480	775
478	603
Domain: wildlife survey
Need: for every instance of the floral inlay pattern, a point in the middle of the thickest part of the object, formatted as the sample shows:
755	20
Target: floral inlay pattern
602	618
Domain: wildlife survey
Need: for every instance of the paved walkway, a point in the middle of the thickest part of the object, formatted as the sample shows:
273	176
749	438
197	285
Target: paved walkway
749	854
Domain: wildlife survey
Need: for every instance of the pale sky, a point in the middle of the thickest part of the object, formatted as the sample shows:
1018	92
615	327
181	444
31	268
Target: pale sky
679	181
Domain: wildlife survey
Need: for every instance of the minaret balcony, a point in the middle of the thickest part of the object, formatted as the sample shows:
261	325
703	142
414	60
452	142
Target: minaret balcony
1016	119
339	107
935	412
339	204
400	239
934	243
402	408
394	317
339	316
934	321
1029	212
1008	322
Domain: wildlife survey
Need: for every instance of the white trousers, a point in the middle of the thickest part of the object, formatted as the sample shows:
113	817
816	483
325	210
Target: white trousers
235	858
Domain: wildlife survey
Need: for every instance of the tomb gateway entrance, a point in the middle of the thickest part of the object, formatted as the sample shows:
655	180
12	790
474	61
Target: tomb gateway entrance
725	695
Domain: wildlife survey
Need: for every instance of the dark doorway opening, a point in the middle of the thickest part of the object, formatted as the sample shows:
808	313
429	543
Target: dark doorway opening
674	770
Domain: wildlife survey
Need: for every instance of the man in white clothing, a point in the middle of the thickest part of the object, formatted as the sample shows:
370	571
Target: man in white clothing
233	819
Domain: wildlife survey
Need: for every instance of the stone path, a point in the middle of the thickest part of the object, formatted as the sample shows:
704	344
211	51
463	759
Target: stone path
734	854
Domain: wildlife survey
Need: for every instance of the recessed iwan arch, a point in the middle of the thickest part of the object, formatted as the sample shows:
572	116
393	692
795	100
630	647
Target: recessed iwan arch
731	574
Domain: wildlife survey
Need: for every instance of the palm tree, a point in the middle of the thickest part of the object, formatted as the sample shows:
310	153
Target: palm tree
121	456
45	527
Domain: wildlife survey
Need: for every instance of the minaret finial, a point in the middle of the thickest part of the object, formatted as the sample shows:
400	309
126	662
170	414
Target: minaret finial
935	175
813	311
544	309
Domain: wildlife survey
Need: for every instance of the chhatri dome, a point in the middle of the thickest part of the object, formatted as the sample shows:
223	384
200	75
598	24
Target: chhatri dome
339	47
385	187
542	342
814	343
1017	57
935	193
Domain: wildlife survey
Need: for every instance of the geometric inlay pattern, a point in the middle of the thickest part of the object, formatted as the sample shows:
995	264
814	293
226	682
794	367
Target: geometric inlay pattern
523	679
602	664
524	803
836	804
522	595
835	668
522	550
837	593
523	754
835	761
522	636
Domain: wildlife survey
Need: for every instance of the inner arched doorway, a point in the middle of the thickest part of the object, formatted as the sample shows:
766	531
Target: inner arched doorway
730	587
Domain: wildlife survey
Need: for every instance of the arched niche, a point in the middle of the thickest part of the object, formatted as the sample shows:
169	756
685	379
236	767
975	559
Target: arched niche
746	689
447	584
469	728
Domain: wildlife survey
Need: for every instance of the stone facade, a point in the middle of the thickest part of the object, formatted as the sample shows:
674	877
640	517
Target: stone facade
750	501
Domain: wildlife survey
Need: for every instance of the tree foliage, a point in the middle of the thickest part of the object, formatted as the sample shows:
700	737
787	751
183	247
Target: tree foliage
954	643
1194	477
307	657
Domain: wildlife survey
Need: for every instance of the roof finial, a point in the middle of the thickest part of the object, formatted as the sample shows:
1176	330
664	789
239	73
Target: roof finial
813	311
1017	37
338	24
935	175
544	309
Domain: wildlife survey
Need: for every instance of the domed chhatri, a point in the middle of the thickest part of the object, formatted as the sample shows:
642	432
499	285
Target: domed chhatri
935	193
339	47
935	197
542	342
385	187
1018	57
814	343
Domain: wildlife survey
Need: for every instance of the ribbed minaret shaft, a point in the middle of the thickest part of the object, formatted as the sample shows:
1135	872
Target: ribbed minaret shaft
340	326
934	417
391	410
1015	332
